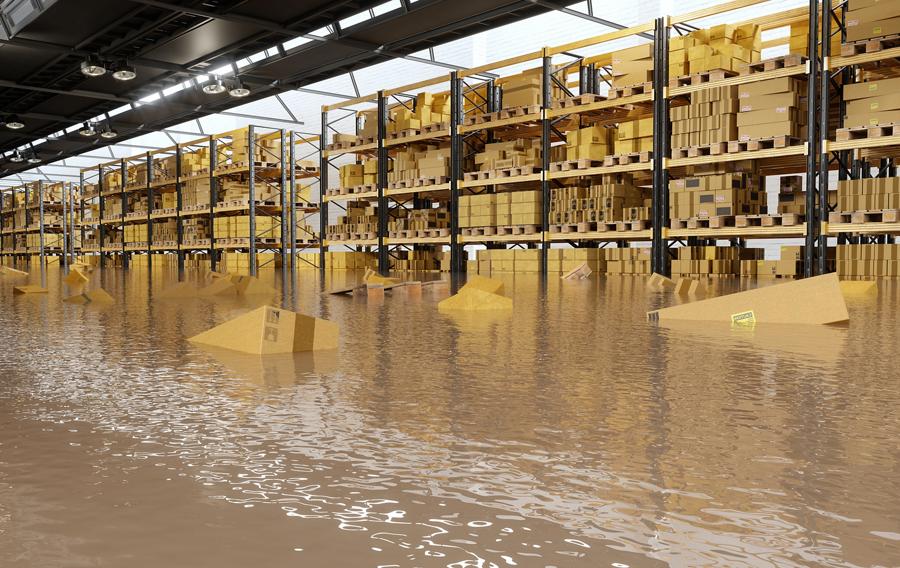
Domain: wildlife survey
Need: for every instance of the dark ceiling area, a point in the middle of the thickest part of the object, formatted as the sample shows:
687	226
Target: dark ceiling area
43	44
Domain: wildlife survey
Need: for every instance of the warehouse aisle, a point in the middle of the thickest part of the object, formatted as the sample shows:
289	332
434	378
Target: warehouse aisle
568	433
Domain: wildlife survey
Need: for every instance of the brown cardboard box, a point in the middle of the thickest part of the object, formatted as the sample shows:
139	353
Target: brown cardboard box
768	87
776	100
872	118
880	103
854	91
858	30
771	129
765	116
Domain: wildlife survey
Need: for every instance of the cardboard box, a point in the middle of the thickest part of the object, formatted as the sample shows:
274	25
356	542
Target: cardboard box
858	30
854	91
768	87
773	101
872	118
771	129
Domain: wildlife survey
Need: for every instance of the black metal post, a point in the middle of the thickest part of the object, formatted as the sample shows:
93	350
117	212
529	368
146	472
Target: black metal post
813	226
456	116
292	188
659	259
546	100
213	198
323	186
284	213
251	148
123	198
149	161
179	204
825	106
40	195
384	259
101	228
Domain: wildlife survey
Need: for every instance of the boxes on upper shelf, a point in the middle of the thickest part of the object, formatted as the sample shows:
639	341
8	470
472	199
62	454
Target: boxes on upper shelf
868	19
868	261
699	261
872	103
509	154
772	108
724	46
592	142
632	65
716	195
634	136
615	198
710	117
868	194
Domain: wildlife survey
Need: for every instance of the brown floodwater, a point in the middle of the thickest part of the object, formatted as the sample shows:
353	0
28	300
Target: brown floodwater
570	432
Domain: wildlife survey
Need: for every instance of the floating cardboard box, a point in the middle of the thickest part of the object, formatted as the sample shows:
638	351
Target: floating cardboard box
682	286
475	299
810	301
580	272
76	281
12	271
859	287
219	287
95	296
658	282
372	277
29	289
269	330
250	285
484	284
697	289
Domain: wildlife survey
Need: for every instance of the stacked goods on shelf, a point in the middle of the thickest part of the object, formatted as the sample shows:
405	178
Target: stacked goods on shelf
419	219
364	173
710	118
167	199
195	163
165	231
195	229
339	260
591	143
792	198
415	260
867	19
868	194
112	180
195	192
51	241
112	207
137	202
239	262
632	66
360	221
715	195
518	153
136	233
798	43
428	109
789	266
693	261
137	175
238	227
772	108
615	198
500	209
724	46
266	148
634	136
627	260
445	258
868	261
515	260
872	103
165	168
233	190
524	89
430	163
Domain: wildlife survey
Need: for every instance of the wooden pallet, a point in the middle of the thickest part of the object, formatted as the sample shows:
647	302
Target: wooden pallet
501	173
626	159
773	63
573	102
360	141
632	225
479	231
863	132
713	149
418	182
712	222
504	114
436	127
432	233
518	230
567	228
701	78
762	144
776	220
580	164
244	203
629	91
869	45
858	217
404	133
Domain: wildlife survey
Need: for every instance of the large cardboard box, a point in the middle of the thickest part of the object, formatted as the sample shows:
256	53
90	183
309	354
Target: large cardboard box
854	91
858	30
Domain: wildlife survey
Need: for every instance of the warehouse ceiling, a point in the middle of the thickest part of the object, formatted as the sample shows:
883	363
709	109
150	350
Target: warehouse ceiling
174	46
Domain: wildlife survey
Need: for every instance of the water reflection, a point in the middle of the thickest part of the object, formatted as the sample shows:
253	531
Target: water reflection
569	432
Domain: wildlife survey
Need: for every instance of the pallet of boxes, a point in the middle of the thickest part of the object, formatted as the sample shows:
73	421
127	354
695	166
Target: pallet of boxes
419	165
502	213
613	203
872	109
713	199
867	200
359	222
789	265
871	25
712	261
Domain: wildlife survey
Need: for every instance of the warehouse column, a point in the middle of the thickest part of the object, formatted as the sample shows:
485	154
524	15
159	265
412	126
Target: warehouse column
292	195
659	259
213	197
384	260
456	110
546	97
825	106
123	197
813	226
251	182
323	186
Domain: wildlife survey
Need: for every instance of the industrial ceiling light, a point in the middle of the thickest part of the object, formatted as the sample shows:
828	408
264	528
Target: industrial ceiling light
238	90
17	157
214	87
33	159
108	133
88	130
13	122
92	66
122	71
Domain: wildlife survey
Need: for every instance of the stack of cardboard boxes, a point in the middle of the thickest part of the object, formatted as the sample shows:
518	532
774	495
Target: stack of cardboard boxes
713	195
632	66
360	217
868	19
418	161
500	209
516	153
196	192
868	261
771	108
719	47
634	136
523	260
415	260
872	103
697	261
615	198
233	190
238	227
798	44
51	241
135	234
792	198
592	142
195	229
789	266
524	89
266	148
343	260
868	194
711	117
419	219
627	260
165	230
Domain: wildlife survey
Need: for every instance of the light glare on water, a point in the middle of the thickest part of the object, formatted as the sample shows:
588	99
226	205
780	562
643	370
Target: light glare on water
569	432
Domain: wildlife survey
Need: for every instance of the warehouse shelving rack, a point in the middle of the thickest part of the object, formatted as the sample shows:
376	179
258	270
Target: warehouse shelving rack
36	203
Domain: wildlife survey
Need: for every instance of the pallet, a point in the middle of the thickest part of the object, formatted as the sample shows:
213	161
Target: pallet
404	133
869	45
518	230
777	220
577	101
224	167
773	63
713	149
859	217
360	141
762	144
568	228
626	159
713	222
501	173
418	182
244	203
701	78
504	114
863	132
200	243
629	91
479	231
436	127
580	164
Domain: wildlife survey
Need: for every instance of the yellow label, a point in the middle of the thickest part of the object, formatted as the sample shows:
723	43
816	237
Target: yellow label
873	106
743	318
876	30
873	122
873	86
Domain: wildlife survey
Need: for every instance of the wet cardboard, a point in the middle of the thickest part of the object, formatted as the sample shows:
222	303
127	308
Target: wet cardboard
269	330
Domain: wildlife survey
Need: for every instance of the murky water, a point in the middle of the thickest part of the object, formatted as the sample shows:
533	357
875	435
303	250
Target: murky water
568	433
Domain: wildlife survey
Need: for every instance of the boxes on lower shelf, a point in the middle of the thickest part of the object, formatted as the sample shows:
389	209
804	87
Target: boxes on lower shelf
500	209
868	261
868	194
790	264
616	198
627	260
696	261
715	195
